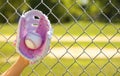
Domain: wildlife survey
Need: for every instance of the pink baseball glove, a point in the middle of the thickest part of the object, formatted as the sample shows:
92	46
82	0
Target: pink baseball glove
35	27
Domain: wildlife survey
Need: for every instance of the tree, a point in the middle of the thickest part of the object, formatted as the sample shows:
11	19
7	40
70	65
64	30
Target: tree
10	10
62	9
108	7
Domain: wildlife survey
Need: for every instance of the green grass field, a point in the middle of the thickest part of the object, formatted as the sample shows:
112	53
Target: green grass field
77	67
75	29
86	44
64	66
82	67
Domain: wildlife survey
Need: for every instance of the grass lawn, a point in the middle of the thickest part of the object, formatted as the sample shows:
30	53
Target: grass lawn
77	67
84	27
75	29
51	66
67	67
63	66
6	47
6	29
86	44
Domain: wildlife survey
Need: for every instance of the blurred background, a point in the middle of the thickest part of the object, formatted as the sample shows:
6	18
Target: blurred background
65	10
86	39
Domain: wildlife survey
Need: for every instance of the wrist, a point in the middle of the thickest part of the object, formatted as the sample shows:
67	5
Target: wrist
23	61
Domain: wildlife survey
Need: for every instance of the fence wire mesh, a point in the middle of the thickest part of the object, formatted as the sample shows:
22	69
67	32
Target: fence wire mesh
86	39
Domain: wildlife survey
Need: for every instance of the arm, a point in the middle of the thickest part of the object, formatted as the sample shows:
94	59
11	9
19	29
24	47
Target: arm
17	68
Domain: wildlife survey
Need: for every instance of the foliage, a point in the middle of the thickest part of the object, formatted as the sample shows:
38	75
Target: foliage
62	10
109	9
10	10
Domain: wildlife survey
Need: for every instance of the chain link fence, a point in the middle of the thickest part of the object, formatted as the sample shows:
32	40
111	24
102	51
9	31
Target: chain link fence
86	39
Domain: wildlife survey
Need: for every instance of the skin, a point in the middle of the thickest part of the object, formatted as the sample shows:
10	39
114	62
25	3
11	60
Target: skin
17	68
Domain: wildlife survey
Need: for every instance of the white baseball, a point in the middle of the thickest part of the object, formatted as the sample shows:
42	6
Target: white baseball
33	40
